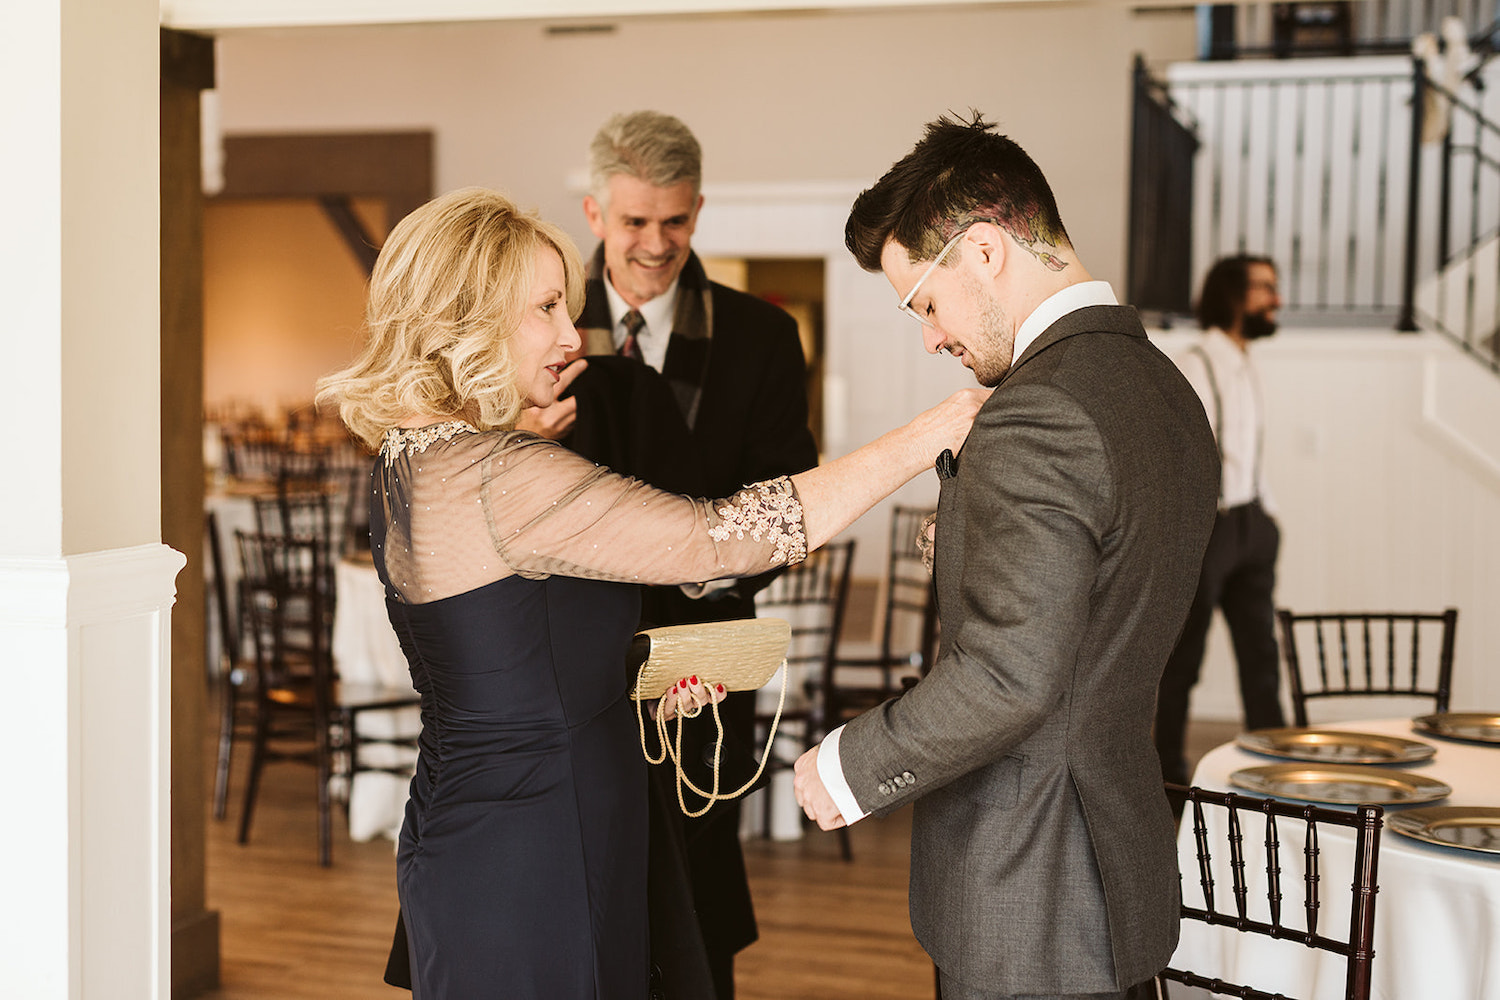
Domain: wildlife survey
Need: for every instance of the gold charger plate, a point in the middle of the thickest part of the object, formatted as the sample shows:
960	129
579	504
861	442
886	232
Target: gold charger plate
1470	727
1333	746
1473	828
1341	783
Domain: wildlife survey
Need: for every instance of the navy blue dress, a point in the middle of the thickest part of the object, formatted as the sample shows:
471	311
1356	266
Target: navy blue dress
521	867
527	791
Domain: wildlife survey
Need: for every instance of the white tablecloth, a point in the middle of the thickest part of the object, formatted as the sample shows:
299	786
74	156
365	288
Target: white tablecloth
366	651
1437	914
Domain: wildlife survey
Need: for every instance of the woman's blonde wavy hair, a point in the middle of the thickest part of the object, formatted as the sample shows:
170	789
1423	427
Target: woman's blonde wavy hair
448	293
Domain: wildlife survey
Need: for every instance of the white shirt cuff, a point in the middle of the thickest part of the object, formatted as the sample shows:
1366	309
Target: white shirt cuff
832	774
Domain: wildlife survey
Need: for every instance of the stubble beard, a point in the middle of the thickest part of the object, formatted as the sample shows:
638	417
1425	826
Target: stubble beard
996	340
1254	326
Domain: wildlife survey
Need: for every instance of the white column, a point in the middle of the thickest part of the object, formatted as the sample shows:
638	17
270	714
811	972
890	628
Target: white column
86	586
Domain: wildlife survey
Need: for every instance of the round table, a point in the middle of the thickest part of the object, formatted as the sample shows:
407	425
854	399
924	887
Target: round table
1437	914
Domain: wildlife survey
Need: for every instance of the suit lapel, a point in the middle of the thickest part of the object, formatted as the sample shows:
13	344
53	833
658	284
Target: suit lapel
688	349
948	566
594	323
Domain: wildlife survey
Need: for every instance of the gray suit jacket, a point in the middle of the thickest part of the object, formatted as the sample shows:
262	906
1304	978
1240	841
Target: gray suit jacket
1069	542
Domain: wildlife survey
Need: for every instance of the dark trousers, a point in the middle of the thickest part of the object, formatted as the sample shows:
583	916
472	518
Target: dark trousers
1238	575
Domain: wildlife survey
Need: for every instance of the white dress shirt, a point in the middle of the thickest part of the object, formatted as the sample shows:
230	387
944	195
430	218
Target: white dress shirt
1052	309
1217	363
658	314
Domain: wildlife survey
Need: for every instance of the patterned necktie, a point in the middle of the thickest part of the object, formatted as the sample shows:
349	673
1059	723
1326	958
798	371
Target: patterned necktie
634	323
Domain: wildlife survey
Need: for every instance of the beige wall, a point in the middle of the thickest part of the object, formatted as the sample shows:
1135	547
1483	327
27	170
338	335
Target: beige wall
774	98
78	272
283	300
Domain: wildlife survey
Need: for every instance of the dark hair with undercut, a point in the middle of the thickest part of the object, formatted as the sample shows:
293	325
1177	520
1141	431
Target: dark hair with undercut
1224	290
961	172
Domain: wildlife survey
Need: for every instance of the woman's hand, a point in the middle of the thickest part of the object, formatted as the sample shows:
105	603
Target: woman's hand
835	493
556	421
947	424
688	697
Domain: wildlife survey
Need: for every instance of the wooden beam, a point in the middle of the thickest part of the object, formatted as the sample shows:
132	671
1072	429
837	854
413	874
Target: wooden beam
393	166
187	69
340	211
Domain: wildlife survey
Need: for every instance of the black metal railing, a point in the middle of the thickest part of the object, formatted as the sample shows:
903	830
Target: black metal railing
1339	27
1376	190
1311	170
1159	265
1456	288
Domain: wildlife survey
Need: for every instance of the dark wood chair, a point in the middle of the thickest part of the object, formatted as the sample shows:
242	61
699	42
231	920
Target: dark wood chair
235	671
251	452
1365	654
908	631
293	666
302	712
811	596
306	513
1293	865
351	472
301	470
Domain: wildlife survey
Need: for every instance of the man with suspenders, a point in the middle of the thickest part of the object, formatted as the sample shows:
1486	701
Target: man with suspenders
1238	305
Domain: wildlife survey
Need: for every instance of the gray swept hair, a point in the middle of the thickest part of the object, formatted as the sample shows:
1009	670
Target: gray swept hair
647	145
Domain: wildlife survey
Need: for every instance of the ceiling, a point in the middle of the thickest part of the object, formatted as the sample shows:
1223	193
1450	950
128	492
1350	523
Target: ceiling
220	15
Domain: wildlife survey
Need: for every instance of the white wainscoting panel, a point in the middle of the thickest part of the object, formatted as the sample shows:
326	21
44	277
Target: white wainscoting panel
86	728
1382	453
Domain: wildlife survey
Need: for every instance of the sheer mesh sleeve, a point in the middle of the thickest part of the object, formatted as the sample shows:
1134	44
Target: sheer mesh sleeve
479	507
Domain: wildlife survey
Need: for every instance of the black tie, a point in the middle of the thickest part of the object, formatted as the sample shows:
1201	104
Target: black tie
634	323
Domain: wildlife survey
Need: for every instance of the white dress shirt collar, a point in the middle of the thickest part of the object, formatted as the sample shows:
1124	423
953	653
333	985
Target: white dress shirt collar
658	313
1059	304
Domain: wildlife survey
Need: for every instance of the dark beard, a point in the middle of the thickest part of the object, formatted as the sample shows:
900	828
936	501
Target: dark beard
1255	326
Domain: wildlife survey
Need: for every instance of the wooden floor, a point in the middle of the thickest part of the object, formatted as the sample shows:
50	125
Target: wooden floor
292	930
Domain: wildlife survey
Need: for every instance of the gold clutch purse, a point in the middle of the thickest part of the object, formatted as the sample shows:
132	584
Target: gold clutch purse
741	655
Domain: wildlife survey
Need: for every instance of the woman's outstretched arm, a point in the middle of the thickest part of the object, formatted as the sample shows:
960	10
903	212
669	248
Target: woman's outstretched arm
835	494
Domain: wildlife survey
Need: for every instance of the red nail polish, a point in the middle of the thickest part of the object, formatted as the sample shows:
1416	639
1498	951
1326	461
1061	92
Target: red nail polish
721	689
693	681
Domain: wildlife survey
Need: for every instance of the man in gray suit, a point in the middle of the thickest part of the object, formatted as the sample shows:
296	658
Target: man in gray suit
1070	530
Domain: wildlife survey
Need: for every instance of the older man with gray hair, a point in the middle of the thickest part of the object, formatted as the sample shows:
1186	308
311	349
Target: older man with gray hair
697	388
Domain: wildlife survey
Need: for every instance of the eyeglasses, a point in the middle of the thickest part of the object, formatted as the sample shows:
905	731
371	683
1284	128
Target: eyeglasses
905	304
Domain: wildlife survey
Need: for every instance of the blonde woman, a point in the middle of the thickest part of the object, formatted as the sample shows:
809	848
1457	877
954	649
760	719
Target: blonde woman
509	563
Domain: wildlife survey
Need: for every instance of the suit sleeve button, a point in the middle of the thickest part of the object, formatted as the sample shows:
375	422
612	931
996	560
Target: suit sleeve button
911	779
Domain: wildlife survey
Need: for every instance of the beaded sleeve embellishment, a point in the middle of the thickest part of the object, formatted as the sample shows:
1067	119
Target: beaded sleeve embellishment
767	511
416	439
